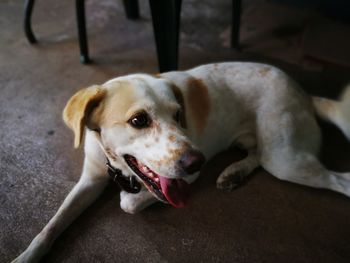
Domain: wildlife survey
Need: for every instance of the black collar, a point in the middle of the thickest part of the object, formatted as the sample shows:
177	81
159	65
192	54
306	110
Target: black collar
127	183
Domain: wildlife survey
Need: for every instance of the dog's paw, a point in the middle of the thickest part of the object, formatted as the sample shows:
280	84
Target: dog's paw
21	259
229	181
27	257
134	203
34	252
128	203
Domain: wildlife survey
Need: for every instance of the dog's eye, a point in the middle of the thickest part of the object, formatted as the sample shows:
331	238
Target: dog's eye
177	116
140	120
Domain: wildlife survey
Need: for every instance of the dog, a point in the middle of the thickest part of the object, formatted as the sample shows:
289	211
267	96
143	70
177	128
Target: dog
156	131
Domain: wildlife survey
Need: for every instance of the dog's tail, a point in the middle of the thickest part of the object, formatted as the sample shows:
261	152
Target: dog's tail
337	112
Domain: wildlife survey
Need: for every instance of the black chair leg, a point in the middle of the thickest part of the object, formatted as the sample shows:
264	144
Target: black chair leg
83	43
131	9
28	9
236	22
166	21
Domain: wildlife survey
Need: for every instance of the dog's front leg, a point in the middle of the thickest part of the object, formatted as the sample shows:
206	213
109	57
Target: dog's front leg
90	185
134	203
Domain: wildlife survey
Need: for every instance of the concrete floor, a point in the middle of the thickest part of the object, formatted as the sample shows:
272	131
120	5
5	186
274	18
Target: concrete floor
265	220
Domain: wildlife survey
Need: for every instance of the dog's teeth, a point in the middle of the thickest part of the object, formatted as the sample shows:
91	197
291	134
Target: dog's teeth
144	169
148	172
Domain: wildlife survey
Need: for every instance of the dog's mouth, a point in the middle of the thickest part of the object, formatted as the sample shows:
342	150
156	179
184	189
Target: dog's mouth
167	190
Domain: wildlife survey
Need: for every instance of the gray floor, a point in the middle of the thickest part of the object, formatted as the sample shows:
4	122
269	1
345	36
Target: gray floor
265	220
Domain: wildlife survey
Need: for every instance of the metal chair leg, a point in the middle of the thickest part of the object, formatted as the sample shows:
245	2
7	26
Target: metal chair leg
83	42
28	9
131	9
236	22
166	20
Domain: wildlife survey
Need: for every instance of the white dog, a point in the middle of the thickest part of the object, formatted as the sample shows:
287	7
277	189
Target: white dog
156	131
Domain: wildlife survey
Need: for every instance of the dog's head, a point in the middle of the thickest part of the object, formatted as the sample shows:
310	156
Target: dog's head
139	121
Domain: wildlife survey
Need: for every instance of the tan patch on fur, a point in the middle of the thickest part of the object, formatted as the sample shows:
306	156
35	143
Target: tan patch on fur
327	105
198	102
264	71
324	107
173	156
171	138
157	127
114	108
176	152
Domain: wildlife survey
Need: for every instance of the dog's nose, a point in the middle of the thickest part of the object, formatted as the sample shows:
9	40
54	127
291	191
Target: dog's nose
191	161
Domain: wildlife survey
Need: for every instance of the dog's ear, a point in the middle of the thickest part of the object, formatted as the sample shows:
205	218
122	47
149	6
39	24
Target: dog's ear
78	109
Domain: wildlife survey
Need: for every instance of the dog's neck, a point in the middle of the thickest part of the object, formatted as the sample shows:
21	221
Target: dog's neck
126	183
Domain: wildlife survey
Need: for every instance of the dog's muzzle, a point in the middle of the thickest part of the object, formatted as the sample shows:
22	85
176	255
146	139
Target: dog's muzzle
172	190
191	161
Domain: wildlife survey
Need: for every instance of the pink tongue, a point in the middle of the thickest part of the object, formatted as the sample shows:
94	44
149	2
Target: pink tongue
176	191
